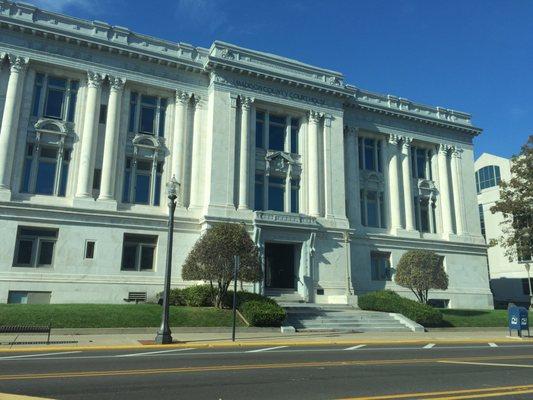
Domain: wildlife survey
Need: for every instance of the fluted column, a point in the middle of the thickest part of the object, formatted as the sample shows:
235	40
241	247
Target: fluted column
444	189
180	129
195	189
352	175
107	186
407	186
89	138
313	168
457	185
394	183
10	118
244	159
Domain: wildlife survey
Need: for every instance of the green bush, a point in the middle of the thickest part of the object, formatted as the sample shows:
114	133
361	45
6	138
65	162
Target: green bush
176	297
199	296
262	313
388	301
244	297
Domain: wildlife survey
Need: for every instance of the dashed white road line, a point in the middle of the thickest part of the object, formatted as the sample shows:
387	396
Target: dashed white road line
148	353
429	346
266	349
39	355
493	344
355	347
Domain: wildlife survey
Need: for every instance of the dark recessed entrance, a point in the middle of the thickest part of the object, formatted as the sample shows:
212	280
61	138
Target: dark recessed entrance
279	266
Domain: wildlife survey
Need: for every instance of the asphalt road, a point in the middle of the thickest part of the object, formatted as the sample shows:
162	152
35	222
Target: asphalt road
334	372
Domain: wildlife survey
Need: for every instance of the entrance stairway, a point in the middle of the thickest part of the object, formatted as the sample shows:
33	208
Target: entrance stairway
289	296
343	318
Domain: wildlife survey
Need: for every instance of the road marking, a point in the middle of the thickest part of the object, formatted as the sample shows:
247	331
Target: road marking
460	394
38	355
266	349
488	364
148	353
355	347
493	344
11	396
429	346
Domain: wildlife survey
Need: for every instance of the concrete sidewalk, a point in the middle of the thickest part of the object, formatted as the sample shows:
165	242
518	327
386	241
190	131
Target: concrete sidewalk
62	339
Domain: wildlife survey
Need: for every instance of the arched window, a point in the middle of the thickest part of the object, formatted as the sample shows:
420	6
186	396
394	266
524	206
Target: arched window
487	177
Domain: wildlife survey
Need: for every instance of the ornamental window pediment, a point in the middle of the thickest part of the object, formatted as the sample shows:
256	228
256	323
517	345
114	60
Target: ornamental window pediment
426	189
282	164
372	180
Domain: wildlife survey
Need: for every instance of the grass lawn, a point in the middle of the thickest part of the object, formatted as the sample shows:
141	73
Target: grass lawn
477	318
110	315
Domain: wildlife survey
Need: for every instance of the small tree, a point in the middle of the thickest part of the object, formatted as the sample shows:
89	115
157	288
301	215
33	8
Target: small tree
516	206
420	271
212	258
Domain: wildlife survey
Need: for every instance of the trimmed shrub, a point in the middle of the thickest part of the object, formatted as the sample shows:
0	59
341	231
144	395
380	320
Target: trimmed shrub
199	296
175	297
262	313
389	301
243	297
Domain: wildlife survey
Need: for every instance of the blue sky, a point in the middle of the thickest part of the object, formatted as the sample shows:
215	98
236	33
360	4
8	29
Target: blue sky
474	56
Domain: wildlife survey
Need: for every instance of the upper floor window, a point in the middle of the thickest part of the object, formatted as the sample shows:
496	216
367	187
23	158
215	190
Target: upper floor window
487	177
373	209
421	163
482	219
54	97
34	246
424	214
370	154
276	132
142	181
147	114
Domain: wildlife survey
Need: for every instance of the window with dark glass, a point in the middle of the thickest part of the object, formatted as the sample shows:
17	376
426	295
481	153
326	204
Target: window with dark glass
487	177
45	170
424	215
103	114
147	114
89	249
259	129
281	132
373	209
380	266
370	154
259	192
276	193
482	219
138	252
97	178
142	181
34	246
54	97
276	132
420	163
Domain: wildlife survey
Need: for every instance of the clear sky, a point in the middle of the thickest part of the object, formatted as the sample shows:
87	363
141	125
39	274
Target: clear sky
474	56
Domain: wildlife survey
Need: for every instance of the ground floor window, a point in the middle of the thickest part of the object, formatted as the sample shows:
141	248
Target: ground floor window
138	252
373	209
380	265
35	247
25	297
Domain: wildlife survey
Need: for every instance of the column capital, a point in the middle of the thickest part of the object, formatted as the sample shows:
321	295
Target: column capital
246	102
94	79
116	83
197	101
182	97
394	139
406	141
314	116
351	130
456	152
444	149
18	64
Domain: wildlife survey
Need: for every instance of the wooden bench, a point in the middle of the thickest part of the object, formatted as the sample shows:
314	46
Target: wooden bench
136	297
27	329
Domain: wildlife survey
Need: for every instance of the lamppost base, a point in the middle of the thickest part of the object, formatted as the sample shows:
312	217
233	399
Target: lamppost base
163	338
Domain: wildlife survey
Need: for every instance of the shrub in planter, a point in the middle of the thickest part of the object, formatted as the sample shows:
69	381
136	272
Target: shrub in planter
389	301
262	313
199	296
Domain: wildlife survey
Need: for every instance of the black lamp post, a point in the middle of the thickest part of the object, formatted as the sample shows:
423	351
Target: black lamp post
164	335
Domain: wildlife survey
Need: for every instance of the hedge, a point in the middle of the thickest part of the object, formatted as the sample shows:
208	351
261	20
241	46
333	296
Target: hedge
262	313
389	301
192	296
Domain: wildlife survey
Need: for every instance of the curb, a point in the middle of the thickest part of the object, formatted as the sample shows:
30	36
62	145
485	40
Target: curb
251	343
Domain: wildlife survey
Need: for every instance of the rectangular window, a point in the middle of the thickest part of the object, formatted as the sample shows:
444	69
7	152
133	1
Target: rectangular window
138	252
147	114
133	110
39	80
370	159
34	247
258	194
373	209
89	249
25	297
162	113
295	191
276	194
97	177
140	176
259	129
421	163
295	129
380	265
103	114
54	97
482	219
276	132
49	179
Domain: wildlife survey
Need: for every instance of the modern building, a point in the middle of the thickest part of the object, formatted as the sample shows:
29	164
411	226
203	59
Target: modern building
334	183
508	279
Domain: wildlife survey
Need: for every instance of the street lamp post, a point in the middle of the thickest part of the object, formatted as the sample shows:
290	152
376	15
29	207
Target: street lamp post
164	336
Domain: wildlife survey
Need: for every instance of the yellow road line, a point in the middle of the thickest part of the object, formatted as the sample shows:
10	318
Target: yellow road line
238	367
485	395
9	396
463	393
265	343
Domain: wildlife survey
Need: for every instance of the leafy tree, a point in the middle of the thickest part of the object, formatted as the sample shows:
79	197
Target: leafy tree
516	206
420	271
211	259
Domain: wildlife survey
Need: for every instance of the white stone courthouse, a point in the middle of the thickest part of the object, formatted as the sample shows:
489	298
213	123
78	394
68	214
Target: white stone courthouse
334	183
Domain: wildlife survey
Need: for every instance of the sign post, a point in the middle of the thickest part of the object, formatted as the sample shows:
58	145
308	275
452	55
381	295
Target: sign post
235	275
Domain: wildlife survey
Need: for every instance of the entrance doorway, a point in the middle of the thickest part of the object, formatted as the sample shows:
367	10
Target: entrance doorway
280	272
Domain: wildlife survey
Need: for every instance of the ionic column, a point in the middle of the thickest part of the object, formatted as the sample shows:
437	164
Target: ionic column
394	183
352	175
180	129
457	185
407	186
89	138
107	186
195	189
444	189
244	159
10	118
313	168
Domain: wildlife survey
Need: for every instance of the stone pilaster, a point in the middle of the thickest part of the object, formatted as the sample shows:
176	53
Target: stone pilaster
394	183
313	167
244	159
196	162
407	185
352	175
457	185
179	135
444	190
